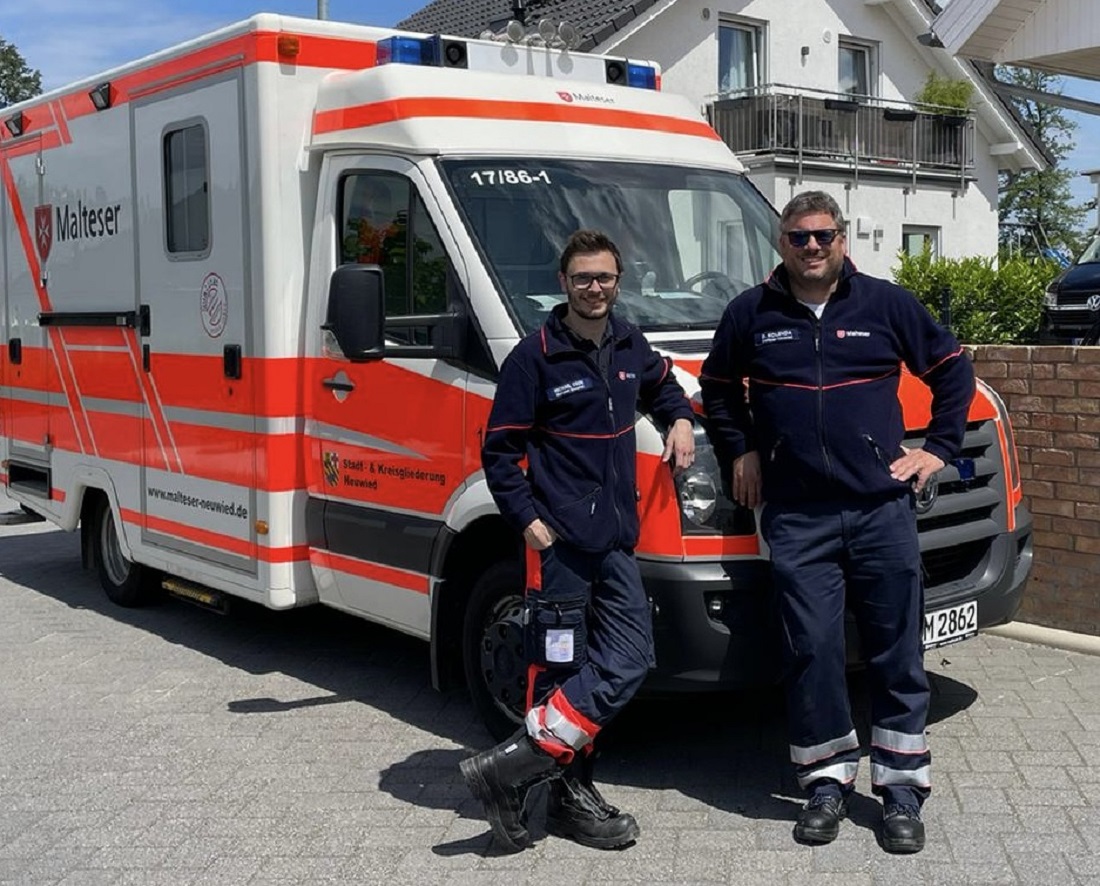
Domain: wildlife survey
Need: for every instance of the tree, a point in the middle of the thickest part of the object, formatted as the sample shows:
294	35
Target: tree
18	81
1037	213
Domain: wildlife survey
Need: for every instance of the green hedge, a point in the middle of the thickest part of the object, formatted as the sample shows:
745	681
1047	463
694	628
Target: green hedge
990	305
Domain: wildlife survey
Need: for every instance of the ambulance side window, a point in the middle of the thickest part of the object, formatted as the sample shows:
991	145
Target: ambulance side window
187	190
384	222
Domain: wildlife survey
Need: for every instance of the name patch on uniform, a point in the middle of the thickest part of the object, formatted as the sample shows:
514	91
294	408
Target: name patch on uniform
852	333
774	336
559	645
627	376
570	387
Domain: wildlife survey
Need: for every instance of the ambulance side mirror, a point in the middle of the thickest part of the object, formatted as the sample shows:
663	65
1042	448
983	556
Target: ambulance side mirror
357	311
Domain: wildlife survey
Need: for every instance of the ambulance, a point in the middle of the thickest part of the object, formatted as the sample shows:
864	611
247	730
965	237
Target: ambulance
256	291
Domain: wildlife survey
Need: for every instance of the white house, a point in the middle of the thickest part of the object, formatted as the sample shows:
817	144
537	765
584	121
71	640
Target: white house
813	94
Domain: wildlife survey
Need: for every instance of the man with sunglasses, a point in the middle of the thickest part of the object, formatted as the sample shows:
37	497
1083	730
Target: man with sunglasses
566	402
816	438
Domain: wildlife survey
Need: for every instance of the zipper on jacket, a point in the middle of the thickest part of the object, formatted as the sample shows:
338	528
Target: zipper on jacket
880	453
614	469
821	399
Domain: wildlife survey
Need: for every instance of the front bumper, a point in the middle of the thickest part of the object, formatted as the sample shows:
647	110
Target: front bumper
701	645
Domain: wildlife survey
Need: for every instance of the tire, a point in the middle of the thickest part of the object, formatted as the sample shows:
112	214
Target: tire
126	583
492	648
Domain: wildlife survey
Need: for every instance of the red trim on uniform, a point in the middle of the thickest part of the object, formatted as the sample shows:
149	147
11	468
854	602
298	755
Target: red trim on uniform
533	565
842	384
393	110
533	671
411	581
509	428
940	362
618	433
562	705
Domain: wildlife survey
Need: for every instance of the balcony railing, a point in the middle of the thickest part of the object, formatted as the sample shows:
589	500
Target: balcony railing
862	133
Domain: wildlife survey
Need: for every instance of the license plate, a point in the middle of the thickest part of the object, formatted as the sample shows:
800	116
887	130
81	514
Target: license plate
950	625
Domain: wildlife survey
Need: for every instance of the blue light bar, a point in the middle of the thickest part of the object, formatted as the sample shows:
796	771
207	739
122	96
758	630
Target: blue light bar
405	51
642	76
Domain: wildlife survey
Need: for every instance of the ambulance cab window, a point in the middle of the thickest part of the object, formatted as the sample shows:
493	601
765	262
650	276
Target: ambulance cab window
186	184
384	222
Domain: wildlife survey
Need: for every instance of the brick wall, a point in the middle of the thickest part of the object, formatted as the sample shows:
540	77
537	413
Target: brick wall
1053	398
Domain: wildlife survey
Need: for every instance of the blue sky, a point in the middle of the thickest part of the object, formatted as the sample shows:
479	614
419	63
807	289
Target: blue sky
70	39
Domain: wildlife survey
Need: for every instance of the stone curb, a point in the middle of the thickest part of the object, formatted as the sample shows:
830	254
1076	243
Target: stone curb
1067	640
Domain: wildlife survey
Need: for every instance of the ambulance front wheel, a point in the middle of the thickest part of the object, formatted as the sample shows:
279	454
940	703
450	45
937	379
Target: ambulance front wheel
492	648
125	582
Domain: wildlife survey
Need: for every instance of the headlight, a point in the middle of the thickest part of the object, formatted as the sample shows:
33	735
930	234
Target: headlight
703	494
1050	299
698	494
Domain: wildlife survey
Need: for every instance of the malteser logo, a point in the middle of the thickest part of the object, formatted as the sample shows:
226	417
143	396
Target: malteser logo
87	222
590	97
43	229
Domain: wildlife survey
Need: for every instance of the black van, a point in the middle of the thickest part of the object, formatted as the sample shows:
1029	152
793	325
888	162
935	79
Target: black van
1071	305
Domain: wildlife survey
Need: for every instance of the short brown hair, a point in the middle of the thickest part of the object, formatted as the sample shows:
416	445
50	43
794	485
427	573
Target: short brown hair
587	242
811	202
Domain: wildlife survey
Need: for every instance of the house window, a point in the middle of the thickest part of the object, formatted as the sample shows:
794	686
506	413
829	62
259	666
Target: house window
739	65
915	239
855	74
187	190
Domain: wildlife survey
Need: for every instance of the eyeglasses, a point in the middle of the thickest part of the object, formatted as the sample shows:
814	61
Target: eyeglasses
799	239
585	281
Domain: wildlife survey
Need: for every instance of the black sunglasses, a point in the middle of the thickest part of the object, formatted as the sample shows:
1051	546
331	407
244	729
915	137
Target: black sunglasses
824	237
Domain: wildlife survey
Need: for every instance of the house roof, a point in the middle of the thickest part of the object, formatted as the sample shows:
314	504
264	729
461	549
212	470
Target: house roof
595	20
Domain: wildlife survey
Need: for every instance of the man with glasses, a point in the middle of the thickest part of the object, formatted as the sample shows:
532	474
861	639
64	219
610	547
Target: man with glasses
566	402
816	438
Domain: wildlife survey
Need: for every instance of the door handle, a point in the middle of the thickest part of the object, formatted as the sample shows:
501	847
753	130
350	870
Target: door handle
338	384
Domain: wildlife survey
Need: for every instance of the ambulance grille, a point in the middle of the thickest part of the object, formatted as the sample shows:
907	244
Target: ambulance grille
685	346
968	512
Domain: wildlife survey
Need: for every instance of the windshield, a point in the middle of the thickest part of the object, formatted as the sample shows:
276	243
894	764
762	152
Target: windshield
691	239
1091	253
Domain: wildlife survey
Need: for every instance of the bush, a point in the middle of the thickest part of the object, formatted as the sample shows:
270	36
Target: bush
945	92
989	305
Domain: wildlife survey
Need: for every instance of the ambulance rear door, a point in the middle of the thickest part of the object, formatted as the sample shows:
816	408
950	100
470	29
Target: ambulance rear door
199	434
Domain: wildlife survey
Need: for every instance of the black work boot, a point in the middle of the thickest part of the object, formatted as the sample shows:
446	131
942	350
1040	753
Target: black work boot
578	812
500	778
819	821
902	828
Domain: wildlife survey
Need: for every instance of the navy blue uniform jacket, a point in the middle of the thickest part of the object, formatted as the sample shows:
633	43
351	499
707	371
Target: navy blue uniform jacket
576	431
823	410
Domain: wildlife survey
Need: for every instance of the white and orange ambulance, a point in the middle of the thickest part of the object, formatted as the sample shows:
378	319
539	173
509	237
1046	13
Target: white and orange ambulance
256	289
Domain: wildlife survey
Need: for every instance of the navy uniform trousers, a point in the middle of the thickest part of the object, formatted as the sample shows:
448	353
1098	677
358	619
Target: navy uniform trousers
826	555
589	640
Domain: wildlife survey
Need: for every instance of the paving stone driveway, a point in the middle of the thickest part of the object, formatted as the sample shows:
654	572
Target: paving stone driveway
169	745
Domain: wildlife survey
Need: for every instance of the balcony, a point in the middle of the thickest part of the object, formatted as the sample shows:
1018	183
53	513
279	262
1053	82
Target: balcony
860	135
